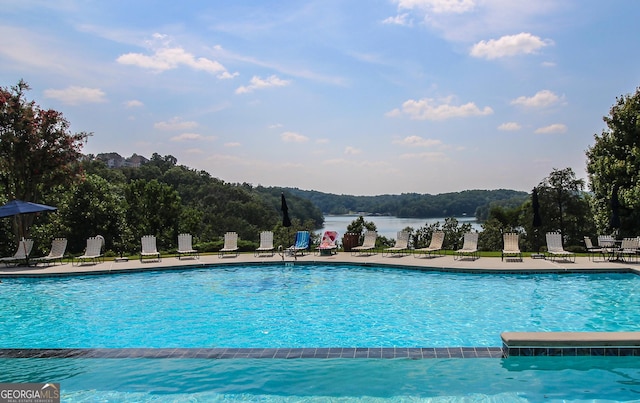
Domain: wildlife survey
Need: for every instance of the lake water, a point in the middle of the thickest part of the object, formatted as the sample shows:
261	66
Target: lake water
388	226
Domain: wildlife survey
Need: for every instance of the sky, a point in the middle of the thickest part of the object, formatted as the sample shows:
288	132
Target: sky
358	97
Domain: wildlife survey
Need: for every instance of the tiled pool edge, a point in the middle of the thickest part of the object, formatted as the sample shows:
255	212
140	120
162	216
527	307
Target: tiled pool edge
258	353
571	344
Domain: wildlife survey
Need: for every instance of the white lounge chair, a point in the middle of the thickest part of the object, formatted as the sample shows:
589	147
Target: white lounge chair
93	251
401	247
22	253
185	246
555	249
328	244
435	246
149	248
266	244
511	246
56	254
230	244
469	247
368	244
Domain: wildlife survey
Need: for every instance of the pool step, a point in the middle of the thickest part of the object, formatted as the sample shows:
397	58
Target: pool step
610	344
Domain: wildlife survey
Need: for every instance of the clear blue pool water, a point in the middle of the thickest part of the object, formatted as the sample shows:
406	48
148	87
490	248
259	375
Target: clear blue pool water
518	379
308	306
319	306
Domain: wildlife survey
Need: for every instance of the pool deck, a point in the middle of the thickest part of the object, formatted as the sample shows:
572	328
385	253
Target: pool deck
514	344
441	263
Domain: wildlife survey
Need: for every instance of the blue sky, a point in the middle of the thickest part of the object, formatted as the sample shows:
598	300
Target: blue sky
341	96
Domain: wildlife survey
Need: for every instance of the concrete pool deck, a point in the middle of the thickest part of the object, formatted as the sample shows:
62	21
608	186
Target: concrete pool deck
444	263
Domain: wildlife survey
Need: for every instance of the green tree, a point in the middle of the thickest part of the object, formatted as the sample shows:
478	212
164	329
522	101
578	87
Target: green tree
37	150
613	161
92	207
154	209
564	207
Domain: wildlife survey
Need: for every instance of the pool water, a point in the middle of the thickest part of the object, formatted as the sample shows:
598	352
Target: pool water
521	379
308	306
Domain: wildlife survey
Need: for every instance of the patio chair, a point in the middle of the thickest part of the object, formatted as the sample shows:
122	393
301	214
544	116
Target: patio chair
368	244
22	253
435	246
328	244
401	247
266	244
469	247
56	254
629	249
301	244
511	248
592	250
185	246
93	251
149	248
230	245
555	250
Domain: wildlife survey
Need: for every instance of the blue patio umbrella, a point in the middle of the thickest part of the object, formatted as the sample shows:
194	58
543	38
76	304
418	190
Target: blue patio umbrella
15	207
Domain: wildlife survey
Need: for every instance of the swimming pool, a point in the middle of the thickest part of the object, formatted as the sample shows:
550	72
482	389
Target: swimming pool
317	305
531	379
308	306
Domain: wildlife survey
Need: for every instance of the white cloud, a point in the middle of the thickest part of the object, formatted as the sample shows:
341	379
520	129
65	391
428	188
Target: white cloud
552	129
76	95
175	124
418	141
276	126
134	103
232	144
431	156
258	83
541	99
400	19
438	6
431	109
166	57
509	45
190	137
509	126
352	150
291	137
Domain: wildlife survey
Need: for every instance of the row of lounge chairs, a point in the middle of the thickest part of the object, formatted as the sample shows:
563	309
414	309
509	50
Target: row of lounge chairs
630	247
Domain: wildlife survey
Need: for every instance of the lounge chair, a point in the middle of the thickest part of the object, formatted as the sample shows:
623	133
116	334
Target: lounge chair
149	248
469	247
93	251
266	244
22	253
185	246
368	245
435	246
56	254
230	244
301	244
592	250
328	244
401	247
511	248
555	250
